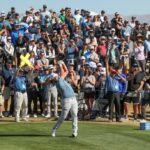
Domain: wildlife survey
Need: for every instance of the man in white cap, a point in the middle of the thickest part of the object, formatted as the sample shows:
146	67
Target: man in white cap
51	92
69	102
93	55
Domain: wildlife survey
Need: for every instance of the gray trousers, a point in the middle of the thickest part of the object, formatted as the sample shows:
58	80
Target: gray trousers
21	102
69	104
52	94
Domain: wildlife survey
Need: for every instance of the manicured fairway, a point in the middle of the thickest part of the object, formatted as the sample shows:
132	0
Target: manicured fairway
92	136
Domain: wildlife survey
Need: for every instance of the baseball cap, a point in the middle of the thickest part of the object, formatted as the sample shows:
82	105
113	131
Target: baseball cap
82	57
49	43
42	52
54	31
127	34
116	13
71	64
51	67
92	64
103	71
53	75
113	29
9	38
3	14
91	47
99	65
103	38
44	6
113	71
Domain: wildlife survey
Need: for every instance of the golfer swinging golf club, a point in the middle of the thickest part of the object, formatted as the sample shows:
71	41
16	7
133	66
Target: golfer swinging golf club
68	100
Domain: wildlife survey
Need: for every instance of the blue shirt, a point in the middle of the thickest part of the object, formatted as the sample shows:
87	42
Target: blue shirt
147	45
15	34
8	74
20	83
5	22
64	88
112	84
122	84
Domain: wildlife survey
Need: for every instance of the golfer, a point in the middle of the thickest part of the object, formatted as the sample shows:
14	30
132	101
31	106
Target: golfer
68	100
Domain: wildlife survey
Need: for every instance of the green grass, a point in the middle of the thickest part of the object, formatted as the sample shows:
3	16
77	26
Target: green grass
92	136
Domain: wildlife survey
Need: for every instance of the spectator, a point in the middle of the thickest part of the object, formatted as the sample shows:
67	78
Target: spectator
51	93
88	85
140	55
21	99
136	81
146	98
113	96
2	86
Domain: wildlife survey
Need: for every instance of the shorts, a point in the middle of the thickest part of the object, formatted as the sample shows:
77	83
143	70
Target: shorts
6	93
146	99
133	97
1	100
90	95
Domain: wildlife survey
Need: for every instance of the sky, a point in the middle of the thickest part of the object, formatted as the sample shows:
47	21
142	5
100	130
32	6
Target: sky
124	7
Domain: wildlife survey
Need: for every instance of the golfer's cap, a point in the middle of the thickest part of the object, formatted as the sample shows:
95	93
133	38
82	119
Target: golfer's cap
82	57
51	67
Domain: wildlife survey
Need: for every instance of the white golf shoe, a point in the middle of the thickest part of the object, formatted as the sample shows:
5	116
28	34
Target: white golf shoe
53	133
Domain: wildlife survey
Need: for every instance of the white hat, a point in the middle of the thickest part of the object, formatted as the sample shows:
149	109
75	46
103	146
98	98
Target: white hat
51	67
103	71
91	47
99	64
82	57
3	14
127	34
103	37
92	64
113	29
53	75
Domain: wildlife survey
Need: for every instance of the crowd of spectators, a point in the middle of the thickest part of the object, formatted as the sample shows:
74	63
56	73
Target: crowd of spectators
106	59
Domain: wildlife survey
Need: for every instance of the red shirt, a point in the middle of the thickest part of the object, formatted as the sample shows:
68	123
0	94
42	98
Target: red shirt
101	50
